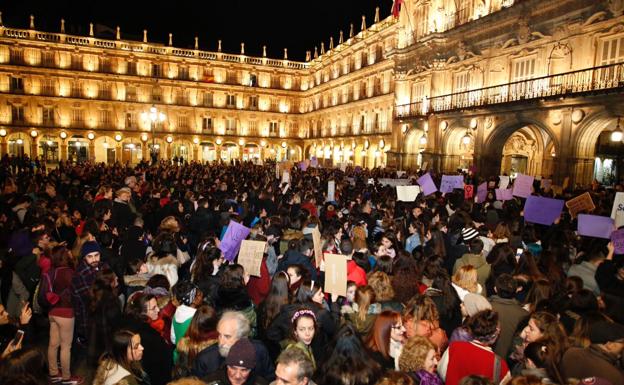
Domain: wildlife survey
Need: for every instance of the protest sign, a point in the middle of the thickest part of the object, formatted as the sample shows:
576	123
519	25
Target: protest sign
450	182
482	192
303	165
542	210
285	177
468	191
234	235
250	256
617	237
336	274
393	182
595	226
504	182
617	213
407	193
318	246
331	190
314	162
504	195
428	187
580	203
523	186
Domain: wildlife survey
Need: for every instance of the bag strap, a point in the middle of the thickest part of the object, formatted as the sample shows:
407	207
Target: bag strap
497	369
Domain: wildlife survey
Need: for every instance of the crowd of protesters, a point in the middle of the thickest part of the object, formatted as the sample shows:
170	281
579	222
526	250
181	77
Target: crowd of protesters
119	270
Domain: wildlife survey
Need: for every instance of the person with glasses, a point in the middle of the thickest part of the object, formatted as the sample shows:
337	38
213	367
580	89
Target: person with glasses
386	338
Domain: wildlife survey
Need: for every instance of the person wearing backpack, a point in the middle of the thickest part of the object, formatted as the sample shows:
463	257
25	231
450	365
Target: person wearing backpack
55	293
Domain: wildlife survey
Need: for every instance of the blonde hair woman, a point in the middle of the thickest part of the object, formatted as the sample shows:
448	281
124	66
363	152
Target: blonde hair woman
465	280
384	293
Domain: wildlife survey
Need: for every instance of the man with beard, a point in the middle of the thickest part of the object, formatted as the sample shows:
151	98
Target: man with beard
232	327
86	271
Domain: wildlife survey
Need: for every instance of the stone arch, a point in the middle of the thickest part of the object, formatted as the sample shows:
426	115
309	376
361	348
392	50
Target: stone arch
584	138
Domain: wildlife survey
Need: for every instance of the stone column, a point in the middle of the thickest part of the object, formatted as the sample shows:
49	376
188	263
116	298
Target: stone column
4	147
33	147
92	151
63	149
563	166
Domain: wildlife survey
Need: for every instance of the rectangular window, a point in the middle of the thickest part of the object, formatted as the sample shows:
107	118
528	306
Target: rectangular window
105	92
612	51
130	122
17	84
206	123
231	101
131	94
523	69
418	92
47	116
105	64
230	126
183	73
156	94
47	87
274	104
132	68
461	82
77	117
252	128
17	114
76	62
273	128
105	118
76	89
156	70
207	99
17	56
253	102
253	80
47	59
182	121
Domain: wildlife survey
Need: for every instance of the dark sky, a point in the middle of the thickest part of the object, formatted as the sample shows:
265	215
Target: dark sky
279	24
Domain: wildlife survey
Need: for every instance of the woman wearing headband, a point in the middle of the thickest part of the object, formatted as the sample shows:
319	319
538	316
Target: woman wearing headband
303	331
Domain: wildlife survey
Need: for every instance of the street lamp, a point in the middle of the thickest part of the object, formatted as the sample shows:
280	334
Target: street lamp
154	116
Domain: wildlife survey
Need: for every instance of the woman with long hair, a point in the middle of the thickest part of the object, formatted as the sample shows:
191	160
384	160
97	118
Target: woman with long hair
303	332
202	333
270	308
539	294
121	364
61	314
348	362
447	301
233	295
465	281
384	293
106	314
421	318
386	338
542	325
365	310
206	269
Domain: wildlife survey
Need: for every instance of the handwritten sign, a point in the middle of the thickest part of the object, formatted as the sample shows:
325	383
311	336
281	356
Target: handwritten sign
331	190
250	256
595	226
428	187
393	182
617	213
523	186
468	191
318	246
336	274
504	195
504	182
407	193
285	177
617	237
234	235
580	203
542	210
482	192
450	182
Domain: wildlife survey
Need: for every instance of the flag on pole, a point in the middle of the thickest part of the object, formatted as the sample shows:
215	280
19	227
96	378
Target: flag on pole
396	7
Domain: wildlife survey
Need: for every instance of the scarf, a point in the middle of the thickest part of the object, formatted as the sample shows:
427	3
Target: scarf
427	378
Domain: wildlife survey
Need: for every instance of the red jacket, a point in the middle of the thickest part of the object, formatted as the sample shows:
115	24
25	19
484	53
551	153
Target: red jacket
258	287
356	274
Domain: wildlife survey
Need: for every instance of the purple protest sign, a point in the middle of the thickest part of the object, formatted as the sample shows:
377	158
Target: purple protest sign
357	169
504	194
542	210
303	166
482	192
234	235
523	185
617	237
595	226
314	162
428	187
450	182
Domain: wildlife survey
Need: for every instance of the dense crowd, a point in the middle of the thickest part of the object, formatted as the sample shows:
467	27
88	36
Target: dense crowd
120	271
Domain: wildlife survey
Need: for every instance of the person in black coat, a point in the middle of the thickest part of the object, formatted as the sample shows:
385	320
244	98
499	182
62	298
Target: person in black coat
123	216
301	256
157	354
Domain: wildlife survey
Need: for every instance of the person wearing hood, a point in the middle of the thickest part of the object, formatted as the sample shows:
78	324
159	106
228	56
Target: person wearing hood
475	258
300	256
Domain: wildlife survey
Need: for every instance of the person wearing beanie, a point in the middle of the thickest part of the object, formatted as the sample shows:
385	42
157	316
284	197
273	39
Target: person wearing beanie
239	365
86	271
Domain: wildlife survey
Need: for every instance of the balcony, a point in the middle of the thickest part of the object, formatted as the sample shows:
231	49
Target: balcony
596	80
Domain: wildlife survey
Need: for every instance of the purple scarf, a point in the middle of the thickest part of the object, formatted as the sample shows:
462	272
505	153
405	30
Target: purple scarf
427	378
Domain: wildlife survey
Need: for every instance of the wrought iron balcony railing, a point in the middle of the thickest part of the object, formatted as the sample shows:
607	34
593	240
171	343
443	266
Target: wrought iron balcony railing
607	78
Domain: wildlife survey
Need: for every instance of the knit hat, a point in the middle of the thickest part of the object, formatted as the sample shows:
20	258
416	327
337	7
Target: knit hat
89	247
604	331
243	354
474	303
469	233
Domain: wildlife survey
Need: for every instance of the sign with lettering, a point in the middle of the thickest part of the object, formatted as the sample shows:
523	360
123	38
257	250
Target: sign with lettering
580	203
617	213
504	182
450	182
250	256
234	235
407	193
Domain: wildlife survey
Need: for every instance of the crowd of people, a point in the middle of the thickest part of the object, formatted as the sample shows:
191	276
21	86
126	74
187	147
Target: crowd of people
118	272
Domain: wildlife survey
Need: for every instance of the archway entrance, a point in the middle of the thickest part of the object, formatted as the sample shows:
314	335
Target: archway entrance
415	143
609	161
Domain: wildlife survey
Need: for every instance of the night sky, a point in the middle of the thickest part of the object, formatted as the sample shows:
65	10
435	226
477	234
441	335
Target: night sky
278	24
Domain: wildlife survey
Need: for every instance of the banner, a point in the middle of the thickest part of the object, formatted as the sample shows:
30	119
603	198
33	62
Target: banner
234	235
595	226
393	182
580	203
407	193
428	187
523	186
250	256
542	210
450	182
336	274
